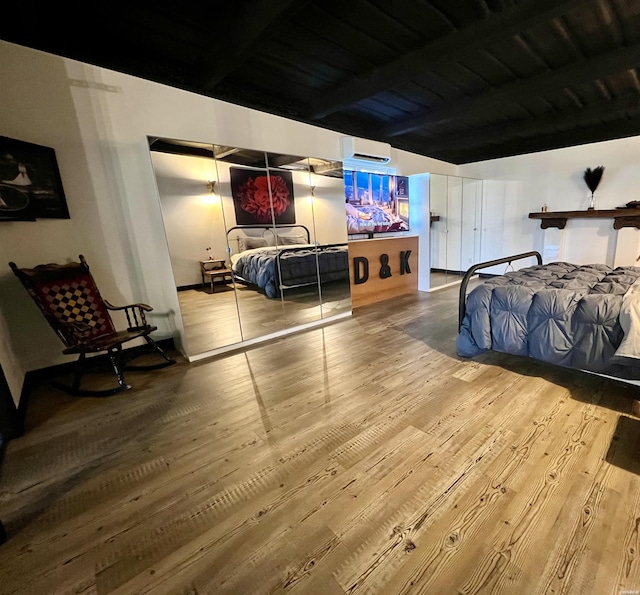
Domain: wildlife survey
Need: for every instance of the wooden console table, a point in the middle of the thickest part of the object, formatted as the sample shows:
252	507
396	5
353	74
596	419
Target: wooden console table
368	258
621	217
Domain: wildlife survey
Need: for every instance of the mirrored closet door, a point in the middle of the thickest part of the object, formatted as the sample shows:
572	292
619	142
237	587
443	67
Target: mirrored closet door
258	241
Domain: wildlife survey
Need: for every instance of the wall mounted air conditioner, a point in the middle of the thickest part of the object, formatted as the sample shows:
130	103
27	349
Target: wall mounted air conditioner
362	149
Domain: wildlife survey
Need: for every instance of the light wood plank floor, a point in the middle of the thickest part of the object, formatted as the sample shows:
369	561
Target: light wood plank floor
438	279
363	457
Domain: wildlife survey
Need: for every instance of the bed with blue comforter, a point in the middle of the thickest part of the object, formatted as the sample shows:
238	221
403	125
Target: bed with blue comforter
274	268
577	316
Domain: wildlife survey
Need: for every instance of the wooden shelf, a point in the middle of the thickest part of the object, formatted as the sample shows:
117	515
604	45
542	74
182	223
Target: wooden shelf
621	217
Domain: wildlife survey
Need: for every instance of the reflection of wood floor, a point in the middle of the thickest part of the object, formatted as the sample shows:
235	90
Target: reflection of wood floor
211	319
438	279
364	456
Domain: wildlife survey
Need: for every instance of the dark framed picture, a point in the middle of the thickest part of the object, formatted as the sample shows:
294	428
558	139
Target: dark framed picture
15	205
401	187
261	196
30	183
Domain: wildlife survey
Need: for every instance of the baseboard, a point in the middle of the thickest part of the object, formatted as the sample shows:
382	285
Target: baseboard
187	287
448	272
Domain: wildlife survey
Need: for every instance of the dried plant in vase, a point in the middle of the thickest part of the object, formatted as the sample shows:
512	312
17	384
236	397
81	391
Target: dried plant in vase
592	178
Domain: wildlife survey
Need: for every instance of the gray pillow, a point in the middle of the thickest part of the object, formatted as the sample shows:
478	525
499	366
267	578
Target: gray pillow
282	240
251	243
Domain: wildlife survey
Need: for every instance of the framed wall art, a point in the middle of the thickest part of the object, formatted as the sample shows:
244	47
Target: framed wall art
30	183
262	197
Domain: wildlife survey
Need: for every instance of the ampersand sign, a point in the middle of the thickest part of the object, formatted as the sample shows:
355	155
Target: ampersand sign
385	269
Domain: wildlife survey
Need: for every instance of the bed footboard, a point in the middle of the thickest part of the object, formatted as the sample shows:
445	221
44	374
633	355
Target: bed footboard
318	250
462	303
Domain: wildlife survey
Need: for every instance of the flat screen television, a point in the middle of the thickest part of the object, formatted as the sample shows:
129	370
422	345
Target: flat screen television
376	203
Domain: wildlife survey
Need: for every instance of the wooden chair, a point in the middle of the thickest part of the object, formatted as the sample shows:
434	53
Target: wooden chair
70	301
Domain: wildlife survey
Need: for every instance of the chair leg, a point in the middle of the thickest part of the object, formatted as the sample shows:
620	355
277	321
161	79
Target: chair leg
159	349
115	356
79	373
168	361
118	359
75	390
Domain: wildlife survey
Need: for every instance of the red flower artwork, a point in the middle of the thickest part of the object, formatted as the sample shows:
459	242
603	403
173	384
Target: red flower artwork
262	197
254	197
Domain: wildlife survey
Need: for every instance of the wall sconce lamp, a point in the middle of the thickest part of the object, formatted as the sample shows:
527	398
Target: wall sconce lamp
212	198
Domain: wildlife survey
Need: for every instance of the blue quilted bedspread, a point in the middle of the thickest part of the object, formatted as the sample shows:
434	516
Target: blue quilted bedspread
559	313
298	266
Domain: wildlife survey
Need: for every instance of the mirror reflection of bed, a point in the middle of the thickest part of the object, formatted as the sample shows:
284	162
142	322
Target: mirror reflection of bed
304	262
283	264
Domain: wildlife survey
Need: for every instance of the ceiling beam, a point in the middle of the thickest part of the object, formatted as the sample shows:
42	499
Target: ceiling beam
220	152
442	51
276	160
586	69
547	123
160	145
582	136
248	24
327	167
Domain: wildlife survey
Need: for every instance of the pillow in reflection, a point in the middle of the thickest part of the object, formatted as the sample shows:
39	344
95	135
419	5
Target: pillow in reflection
292	240
251	243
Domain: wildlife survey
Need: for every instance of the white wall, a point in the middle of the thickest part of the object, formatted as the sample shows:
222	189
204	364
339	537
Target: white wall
98	122
419	222
192	216
516	186
329	210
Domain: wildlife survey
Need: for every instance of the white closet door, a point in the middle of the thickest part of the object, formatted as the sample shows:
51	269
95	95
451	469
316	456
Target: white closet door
471	221
438	205
454	224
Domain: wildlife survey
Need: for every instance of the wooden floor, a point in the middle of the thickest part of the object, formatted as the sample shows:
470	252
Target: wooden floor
439	279
363	457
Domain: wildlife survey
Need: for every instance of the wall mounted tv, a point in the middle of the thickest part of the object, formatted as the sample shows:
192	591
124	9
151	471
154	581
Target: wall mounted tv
376	203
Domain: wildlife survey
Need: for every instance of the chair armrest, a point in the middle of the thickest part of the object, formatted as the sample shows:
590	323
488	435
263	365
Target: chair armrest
144	307
136	318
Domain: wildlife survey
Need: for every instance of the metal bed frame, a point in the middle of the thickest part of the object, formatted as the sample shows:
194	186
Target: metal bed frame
281	250
462	303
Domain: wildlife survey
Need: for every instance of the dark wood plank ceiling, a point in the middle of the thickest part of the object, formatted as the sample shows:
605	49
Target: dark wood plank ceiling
458	80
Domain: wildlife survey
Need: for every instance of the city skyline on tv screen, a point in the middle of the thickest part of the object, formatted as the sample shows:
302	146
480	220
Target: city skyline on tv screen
376	203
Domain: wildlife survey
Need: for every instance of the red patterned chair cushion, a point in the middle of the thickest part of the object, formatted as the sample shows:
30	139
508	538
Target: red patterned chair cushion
76	300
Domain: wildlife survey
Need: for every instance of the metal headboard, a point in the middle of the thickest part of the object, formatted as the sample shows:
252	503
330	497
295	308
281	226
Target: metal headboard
270	228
